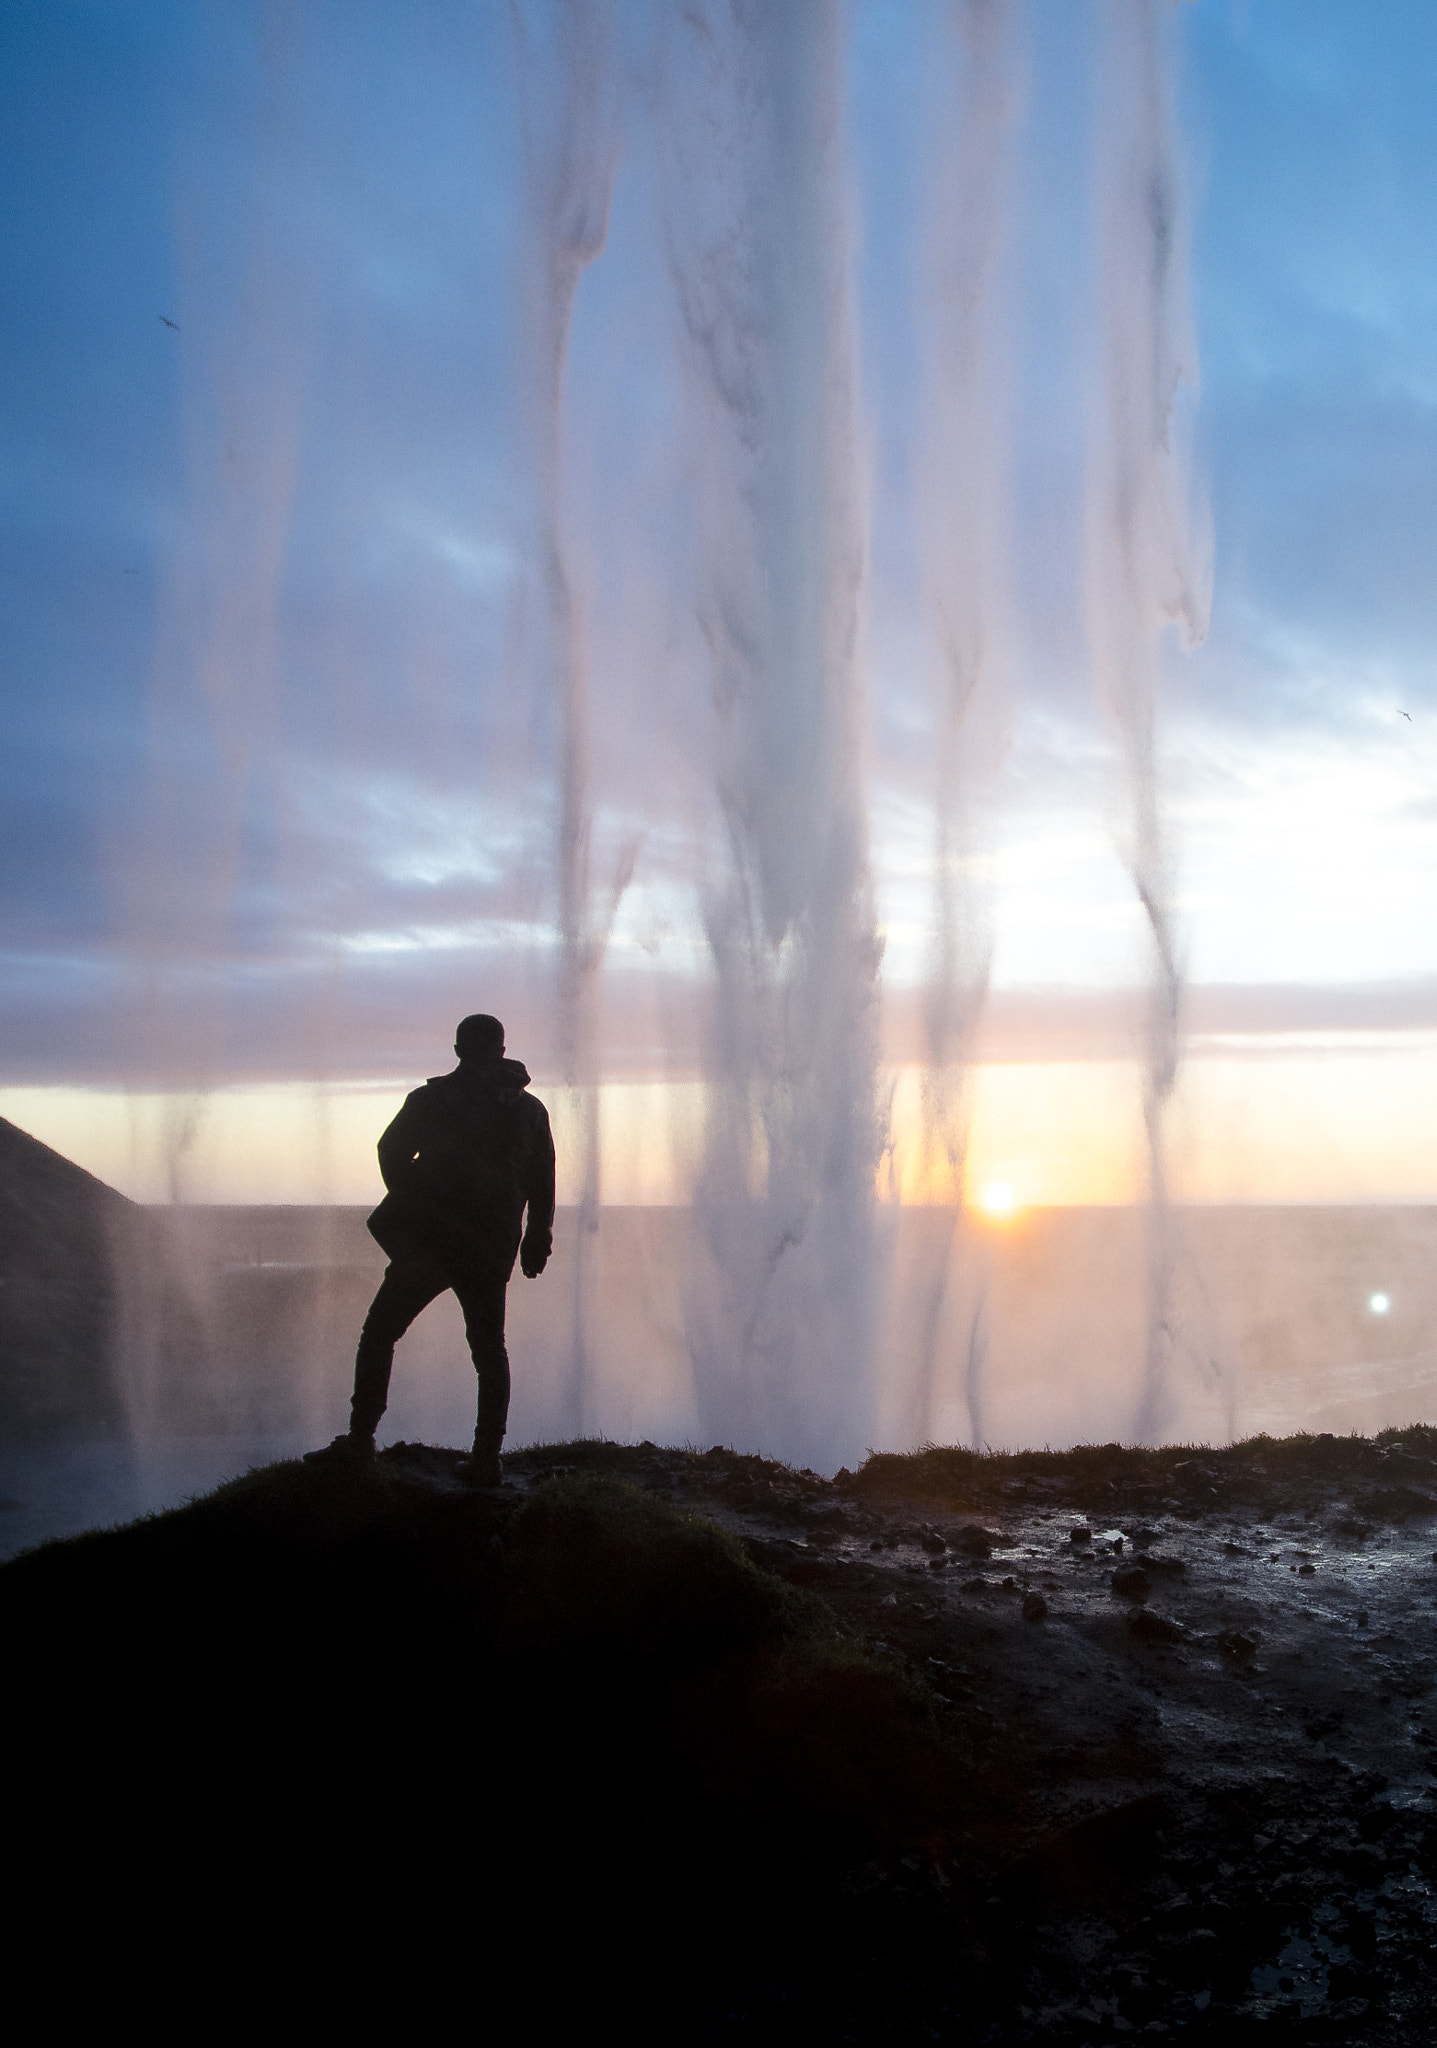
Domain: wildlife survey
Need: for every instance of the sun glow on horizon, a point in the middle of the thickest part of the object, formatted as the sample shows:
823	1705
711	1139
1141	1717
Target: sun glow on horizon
1285	1124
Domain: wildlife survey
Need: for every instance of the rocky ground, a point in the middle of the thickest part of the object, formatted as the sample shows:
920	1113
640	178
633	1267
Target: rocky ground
1053	1747
1195	1692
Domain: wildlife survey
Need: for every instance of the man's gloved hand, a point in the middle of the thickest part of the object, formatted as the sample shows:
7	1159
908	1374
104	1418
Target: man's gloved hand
534	1252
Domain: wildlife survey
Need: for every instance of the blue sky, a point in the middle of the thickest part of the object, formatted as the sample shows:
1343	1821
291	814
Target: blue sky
278	787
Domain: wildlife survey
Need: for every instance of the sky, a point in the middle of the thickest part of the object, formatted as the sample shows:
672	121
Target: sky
281	783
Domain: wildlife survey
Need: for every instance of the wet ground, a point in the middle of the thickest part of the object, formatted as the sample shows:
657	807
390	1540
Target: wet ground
1194	1692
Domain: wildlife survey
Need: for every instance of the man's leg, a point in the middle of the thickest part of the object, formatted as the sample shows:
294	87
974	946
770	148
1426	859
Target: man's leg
481	1296
408	1286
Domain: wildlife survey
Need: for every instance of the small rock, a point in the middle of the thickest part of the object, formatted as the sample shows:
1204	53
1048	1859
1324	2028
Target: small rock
1307	1571
975	1585
1010	1585
1130	1582
1080	1535
1035	1607
932	1541
971	1541
1150	1627
937	1564
1362	1617
1237	1647
889	1600
1167	1567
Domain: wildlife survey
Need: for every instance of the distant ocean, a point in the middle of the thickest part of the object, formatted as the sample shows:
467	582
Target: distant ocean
1029	1332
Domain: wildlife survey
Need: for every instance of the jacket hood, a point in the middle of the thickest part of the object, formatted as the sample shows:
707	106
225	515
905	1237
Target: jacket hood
502	1074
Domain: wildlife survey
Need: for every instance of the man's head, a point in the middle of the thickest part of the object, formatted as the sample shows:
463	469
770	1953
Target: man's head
479	1038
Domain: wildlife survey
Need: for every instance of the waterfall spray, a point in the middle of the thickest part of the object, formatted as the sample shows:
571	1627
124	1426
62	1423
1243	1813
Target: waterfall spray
187	890
1143	566
781	1333
960	466
565	80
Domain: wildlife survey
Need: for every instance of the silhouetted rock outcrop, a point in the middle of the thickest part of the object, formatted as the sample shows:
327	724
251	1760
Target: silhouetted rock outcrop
61	1232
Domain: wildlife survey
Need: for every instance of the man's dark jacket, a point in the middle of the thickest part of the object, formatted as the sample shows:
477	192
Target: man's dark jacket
465	1156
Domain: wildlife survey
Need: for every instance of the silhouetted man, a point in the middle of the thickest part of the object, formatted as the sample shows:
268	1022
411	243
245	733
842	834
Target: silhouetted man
464	1158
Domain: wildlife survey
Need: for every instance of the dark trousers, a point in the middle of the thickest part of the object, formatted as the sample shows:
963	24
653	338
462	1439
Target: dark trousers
409	1285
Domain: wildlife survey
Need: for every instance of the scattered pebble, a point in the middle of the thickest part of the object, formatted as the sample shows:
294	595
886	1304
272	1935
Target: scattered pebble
1131	1582
1151	1627
1236	1646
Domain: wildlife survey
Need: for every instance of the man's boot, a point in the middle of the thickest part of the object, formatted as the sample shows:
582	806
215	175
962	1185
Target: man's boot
345	1450
482	1467
366	1408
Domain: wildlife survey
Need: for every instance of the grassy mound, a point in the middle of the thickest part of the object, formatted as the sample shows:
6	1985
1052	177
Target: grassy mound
362	1671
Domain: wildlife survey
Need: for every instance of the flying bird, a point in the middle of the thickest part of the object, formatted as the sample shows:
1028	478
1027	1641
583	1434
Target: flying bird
1405	714
171	323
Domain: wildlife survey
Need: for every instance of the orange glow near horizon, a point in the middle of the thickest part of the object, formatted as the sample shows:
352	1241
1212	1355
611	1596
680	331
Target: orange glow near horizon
1062	1133
1252	1125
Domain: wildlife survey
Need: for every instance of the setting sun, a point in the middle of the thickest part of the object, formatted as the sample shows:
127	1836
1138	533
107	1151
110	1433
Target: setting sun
998	1199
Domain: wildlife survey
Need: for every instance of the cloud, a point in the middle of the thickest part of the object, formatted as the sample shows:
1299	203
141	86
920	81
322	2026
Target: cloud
317	831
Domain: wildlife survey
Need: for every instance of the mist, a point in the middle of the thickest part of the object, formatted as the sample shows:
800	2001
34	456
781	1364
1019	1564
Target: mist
690	532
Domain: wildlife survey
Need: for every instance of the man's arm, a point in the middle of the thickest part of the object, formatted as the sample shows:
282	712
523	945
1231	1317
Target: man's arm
399	1145
538	1240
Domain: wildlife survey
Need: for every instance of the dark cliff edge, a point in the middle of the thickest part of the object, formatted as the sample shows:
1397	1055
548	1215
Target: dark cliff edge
64	1238
1056	1747
89	1279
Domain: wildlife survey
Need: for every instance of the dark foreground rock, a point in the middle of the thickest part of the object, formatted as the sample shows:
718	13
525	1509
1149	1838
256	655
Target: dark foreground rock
63	1237
757	1755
